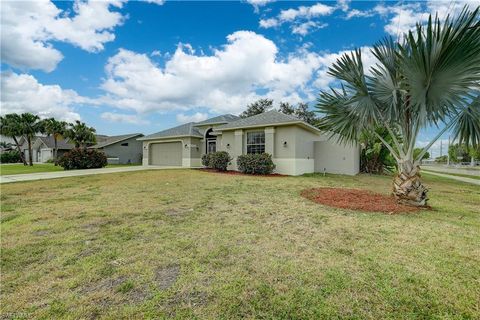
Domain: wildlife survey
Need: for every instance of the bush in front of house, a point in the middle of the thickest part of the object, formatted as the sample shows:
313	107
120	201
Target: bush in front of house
260	163
81	158
206	160
10	157
219	160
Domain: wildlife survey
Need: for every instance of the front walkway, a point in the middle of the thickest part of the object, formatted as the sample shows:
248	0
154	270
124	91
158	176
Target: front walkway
463	179
75	173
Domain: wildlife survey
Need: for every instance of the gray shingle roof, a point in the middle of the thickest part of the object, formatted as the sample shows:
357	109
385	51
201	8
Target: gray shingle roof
187	129
266	118
104	142
225	118
62	144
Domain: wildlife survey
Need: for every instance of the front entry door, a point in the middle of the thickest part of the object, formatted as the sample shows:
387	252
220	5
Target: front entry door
211	146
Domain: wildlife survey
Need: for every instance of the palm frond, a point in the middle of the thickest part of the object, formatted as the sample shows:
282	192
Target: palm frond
467	127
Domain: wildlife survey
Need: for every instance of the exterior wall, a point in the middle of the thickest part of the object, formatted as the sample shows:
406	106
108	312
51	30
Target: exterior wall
336	158
125	154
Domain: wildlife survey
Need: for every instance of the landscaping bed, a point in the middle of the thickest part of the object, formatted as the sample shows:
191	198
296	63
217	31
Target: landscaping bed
355	199
238	173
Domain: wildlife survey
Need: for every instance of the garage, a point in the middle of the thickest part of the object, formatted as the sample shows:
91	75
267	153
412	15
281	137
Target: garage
165	154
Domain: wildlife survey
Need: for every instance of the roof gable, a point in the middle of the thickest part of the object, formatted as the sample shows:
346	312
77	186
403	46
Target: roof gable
265	119
105	142
187	129
225	118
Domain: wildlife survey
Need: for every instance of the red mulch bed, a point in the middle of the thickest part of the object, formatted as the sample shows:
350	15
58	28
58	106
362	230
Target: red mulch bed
237	173
354	199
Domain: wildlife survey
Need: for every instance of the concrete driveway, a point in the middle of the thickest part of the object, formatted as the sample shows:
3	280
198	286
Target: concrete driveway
75	173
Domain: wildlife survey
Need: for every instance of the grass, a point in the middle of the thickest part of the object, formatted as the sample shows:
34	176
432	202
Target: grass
190	244
18	168
458	175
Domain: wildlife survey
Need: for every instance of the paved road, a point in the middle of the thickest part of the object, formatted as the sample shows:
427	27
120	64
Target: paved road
467	180
74	173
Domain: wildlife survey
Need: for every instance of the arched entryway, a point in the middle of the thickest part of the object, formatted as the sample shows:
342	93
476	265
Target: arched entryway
210	141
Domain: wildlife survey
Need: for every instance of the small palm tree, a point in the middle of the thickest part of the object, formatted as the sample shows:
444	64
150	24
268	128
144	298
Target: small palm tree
81	134
10	126
56	129
31	125
431	78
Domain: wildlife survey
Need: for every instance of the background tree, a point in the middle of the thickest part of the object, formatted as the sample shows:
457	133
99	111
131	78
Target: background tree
31	125
375	157
10	126
431	78
301	111
56	129
81	134
257	107
417	151
459	152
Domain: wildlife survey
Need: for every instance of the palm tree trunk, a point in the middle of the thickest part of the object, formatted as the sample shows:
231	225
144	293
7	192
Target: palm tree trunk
22	156
407	185
30	156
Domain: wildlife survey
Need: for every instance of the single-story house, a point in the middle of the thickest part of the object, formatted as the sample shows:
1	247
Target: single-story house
124	149
43	147
296	146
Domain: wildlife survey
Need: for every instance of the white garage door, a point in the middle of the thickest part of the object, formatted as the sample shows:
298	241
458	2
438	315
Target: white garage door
166	154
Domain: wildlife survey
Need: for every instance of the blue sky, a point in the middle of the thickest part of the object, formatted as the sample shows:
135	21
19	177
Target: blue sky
143	66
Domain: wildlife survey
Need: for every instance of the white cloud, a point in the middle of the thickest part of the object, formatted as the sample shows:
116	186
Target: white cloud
30	27
301	18
225	81
196	117
269	23
304	28
306	12
159	2
259	3
156	53
123	118
23	93
439	146
403	17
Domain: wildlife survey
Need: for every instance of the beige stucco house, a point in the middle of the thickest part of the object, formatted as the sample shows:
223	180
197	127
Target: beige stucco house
296	146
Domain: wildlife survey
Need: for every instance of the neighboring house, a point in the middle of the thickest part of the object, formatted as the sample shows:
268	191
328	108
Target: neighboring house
43	147
296	146
124	149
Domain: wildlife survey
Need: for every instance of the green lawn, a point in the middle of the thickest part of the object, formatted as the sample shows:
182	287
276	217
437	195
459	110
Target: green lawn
190	244
18	168
459	175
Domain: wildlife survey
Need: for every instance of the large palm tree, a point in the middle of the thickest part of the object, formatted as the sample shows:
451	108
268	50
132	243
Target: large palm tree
81	134
10	126
31	125
56	129
431	77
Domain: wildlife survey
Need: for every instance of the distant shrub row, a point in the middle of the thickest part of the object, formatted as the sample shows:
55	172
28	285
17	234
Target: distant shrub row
81	158
10	157
260	163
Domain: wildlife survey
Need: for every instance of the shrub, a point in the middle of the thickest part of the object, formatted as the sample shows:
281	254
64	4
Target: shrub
10	157
219	160
81	158
260	163
206	159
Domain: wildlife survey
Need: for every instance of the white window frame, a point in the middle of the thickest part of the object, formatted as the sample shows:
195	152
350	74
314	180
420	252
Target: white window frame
256	144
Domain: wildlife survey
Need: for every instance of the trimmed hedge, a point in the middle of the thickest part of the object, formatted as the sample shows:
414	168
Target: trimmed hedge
217	160
260	163
10	157
81	158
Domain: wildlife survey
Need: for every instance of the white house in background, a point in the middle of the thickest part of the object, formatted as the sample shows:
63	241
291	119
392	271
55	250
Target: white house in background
42	147
296	146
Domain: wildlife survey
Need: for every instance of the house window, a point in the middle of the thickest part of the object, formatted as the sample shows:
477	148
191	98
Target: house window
255	142
125	144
